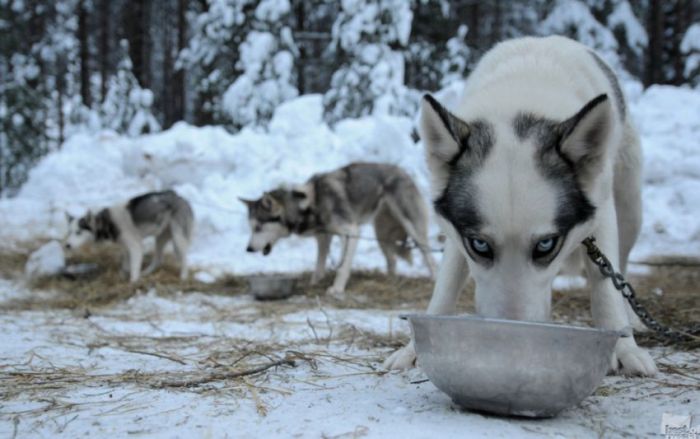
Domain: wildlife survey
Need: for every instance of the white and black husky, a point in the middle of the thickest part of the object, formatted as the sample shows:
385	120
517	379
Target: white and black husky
338	203
165	215
539	154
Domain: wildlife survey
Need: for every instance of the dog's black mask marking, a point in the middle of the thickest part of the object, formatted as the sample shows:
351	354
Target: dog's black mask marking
84	225
105	229
458	203
573	206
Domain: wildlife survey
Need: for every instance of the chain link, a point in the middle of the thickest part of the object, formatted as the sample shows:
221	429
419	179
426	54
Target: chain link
628	292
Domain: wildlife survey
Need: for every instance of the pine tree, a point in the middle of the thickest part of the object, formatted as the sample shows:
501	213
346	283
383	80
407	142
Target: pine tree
690	46
577	20
267	65
127	107
38	52
212	54
631	36
454	65
370	35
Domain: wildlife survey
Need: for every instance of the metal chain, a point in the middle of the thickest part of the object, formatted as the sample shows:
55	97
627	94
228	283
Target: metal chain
628	292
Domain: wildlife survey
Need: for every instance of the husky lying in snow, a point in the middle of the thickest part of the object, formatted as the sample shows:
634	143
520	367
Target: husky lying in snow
164	215
338	203
540	154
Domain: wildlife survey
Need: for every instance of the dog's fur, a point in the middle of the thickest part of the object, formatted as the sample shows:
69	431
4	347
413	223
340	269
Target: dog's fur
540	147
338	203
165	215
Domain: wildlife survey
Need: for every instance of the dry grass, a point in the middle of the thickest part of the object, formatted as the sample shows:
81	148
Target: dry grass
108	285
678	305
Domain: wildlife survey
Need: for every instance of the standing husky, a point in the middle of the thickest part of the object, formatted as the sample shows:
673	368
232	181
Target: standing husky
539	155
164	215
338	203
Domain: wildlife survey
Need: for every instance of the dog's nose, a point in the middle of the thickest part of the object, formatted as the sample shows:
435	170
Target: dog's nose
67	246
250	249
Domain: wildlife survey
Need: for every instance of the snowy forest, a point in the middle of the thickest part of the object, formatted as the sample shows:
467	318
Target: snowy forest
136	67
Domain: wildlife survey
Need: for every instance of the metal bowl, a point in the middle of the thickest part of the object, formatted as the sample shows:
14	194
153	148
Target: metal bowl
272	287
511	367
85	271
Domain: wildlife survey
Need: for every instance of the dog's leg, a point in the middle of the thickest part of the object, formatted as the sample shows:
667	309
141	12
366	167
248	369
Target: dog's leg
628	203
323	242
451	279
124	262
181	244
417	229
390	261
135	250
343	274
161	241
607	303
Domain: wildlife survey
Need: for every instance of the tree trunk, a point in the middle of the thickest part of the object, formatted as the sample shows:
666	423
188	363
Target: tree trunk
301	62
475	19
136	29
655	25
84	54
682	22
178	82
168	90
60	89
497	27
104	46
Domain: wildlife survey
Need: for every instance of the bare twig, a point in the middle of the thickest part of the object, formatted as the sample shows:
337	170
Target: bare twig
228	375
154	354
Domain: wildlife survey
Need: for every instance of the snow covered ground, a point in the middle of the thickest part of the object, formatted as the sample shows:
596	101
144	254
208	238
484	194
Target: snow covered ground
148	367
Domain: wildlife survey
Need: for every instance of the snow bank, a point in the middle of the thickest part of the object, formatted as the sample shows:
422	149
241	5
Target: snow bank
668	119
46	261
212	168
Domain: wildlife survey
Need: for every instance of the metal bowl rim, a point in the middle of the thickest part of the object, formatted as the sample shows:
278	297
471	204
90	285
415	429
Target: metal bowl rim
520	323
272	277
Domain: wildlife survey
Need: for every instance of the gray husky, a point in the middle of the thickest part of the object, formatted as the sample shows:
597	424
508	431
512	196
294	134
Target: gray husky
165	215
539	154
338	203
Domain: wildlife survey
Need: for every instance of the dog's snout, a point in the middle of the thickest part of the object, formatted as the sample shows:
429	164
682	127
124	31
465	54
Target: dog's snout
68	246
250	249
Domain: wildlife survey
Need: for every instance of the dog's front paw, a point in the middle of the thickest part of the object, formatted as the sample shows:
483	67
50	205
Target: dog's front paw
336	292
404	358
630	359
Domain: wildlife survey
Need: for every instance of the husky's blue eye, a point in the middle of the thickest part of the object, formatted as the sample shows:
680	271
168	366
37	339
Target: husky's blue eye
481	247
544	248
545	245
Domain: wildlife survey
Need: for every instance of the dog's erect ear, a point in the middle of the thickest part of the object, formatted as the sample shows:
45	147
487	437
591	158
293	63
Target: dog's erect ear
443	133
270	204
248	203
266	201
86	222
584	135
303	195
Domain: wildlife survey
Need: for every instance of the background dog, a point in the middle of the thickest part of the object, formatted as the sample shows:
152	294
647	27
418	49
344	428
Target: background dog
165	215
338	203
539	155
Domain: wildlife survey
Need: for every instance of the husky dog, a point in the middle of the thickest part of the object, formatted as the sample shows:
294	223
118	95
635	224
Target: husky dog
338	203
165	215
539	154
